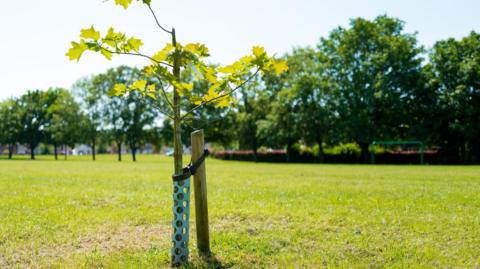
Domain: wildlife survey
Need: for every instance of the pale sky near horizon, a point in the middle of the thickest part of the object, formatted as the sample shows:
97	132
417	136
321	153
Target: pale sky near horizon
36	34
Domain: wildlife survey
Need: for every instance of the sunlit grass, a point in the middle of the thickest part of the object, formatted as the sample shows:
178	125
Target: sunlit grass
79	213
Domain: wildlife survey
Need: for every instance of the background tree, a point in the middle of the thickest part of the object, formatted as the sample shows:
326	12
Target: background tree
279	130
153	136
88	92
253	103
454	73
33	111
166	132
139	115
64	121
10	127
374	66
115	110
310	95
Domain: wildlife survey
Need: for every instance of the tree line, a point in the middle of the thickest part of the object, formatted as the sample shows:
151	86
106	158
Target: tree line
84	114
365	82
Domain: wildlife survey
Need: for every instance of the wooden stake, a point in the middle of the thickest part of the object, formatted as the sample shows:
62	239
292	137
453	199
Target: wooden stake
200	186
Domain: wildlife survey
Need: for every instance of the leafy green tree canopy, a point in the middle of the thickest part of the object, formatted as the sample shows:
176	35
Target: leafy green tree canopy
374	67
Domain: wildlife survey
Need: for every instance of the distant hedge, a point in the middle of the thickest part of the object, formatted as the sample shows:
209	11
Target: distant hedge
280	156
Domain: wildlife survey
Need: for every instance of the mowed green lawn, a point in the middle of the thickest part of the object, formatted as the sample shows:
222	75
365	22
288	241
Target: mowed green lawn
79	213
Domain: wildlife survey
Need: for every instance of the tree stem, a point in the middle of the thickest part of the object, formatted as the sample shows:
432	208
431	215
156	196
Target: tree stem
93	149
32	152
10	151
180	209
119	146
177	138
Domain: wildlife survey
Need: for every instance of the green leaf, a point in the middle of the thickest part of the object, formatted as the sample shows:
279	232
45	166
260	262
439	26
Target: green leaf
151	91
197	49
258	51
139	85
279	67
118	90
163	54
223	102
123	3
135	43
187	86
110	37
196	100
208	72
229	69
148	70
76	51
114	39
211	94
90	33
107	54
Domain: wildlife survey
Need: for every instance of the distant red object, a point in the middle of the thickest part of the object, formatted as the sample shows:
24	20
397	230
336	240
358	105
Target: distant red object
248	152
411	152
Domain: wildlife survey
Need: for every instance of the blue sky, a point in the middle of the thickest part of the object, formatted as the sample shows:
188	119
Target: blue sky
36	34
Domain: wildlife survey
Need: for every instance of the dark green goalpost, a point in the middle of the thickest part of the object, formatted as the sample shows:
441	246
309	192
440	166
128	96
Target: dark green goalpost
418	143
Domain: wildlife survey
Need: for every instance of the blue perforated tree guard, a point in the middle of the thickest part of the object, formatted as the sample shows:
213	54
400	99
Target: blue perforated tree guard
181	216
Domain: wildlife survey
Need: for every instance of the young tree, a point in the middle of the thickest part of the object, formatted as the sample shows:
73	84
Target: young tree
374	67
10	126
165	68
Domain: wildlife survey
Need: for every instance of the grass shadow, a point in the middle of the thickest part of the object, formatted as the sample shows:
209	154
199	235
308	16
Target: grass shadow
208	261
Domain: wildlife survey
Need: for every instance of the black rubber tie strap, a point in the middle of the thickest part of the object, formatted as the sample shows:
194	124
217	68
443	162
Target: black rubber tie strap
190	169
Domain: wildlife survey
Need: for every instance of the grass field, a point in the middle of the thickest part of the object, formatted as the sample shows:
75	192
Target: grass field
79	213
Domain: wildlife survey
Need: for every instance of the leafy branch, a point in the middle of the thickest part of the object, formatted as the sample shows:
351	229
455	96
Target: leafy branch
231	91
176	56
137	54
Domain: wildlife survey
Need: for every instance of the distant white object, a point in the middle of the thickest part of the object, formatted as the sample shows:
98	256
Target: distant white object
82	149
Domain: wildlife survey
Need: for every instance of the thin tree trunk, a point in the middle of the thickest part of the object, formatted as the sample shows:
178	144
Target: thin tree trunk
177	130
55	151
10	151
255	148
364	151
289	152
134	150
32	152
321	153
177	142
65	151
119	146
93	149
